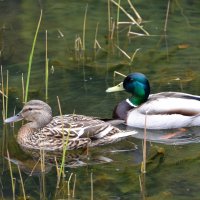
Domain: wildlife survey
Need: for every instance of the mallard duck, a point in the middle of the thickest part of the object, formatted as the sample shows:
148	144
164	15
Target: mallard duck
50	133
165	110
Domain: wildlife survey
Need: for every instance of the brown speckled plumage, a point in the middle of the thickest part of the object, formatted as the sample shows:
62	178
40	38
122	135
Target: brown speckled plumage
77	131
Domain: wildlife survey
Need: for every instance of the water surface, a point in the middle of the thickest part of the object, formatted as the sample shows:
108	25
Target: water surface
170	59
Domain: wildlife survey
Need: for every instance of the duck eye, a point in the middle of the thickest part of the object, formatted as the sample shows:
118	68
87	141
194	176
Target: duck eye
30	109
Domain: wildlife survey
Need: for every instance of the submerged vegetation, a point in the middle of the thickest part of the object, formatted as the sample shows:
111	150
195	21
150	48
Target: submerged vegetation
115	45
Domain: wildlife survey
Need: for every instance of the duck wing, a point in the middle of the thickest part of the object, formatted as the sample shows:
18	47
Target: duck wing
175	95
78	126
171	103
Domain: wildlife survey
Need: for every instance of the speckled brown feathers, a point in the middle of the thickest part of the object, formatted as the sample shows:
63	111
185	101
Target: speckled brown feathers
74	131
77	130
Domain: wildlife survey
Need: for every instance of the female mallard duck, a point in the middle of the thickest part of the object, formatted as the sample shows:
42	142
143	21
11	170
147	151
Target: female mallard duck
50	133
165	110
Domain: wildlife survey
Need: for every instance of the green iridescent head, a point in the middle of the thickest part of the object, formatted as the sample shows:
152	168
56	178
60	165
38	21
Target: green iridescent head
137	84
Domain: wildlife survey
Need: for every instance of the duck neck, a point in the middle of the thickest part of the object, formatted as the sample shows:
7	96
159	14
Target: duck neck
41	122
140	94
136	101
26	131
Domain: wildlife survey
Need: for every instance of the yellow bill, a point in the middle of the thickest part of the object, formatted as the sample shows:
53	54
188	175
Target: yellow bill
116	88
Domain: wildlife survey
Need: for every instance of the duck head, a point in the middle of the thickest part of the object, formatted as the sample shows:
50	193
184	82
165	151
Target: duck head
137	84
37	112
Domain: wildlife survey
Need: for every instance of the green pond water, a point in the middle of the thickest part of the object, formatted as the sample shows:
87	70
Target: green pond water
170	59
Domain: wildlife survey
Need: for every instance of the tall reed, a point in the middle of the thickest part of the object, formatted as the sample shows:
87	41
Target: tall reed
68	185
6	111
92	186
13	180
23	90
167	16
165	29
142	182
4	95
65	143
43	187
139	19
22	183
74	186
42	160
58	172
31	57
143	166
84	27
96	43
3	99
109	19
46	69
119	2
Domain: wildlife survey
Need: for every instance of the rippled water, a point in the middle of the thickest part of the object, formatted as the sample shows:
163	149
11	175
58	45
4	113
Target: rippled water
169	59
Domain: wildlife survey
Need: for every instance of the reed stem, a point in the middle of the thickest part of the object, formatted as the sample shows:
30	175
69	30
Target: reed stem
46	70
74	186
92	188
119	2
143	167
31	57
95	39
65	142
2	89
118	73
58	173
42	160
130	17
23	90
84	27
11	175
68	184
135	11
22	183
6	111
109	21
167	15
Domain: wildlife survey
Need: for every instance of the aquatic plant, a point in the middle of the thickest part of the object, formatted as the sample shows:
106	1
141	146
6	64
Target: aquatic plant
31	58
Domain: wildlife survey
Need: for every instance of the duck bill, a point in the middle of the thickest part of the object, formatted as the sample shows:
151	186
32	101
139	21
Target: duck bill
116	88
15	118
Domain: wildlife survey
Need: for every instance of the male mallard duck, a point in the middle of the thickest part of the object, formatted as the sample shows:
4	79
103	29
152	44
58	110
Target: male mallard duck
165	110
50	133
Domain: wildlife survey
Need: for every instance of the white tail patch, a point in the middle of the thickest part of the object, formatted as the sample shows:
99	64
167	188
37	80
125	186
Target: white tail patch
123	134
